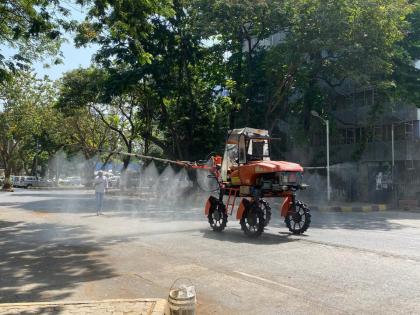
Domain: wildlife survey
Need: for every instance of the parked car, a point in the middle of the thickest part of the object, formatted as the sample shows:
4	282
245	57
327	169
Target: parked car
18	181
27	181
74	181
70	181
31	181
41	182
114	181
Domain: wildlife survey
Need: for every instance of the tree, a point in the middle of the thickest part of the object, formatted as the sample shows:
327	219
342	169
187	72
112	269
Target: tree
241	29
406	76
23	98
320	45
88	90
168	67
32	29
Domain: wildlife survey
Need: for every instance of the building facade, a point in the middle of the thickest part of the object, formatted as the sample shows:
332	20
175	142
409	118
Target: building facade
374	152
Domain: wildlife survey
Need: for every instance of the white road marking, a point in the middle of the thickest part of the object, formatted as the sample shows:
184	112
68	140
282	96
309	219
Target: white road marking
269	281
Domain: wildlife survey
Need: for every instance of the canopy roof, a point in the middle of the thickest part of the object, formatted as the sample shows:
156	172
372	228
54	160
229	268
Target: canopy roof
235	134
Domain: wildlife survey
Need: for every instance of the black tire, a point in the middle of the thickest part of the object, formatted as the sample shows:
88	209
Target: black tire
299	219
265	206
252	221
218	217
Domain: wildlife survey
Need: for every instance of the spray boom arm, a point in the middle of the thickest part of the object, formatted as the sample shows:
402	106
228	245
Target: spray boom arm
185	164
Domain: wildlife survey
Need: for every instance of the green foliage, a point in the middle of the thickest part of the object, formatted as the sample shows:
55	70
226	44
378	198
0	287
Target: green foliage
32	28
172	76
122	29
26	102
155	56
318	46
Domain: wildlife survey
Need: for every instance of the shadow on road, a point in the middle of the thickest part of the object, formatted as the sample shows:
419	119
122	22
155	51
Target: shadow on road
382	221
161	210
234	235
44	262
190	208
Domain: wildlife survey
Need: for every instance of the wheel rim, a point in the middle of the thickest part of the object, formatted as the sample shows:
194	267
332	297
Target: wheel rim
251	220
217	218
298	218
252	223
217	222
266	212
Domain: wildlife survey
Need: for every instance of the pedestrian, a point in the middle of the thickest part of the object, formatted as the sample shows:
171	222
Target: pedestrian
100	184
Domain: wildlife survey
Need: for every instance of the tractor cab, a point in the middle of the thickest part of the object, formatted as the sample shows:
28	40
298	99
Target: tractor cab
243	146
247	161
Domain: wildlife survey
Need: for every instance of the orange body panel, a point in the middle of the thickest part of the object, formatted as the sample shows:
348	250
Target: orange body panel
241	210
286	206
217	160
249	173
208	206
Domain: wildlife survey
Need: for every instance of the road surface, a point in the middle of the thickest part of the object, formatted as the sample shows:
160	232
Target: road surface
54	247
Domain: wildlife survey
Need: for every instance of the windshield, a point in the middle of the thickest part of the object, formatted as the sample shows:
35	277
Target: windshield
230	159
258	150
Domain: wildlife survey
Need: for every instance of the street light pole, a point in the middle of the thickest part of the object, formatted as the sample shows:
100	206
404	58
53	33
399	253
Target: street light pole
392	146
327	126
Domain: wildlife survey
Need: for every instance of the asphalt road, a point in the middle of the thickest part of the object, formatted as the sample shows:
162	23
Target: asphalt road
53	247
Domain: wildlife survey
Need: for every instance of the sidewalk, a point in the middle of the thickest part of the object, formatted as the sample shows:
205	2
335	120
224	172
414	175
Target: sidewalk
351	207
111	307
334	206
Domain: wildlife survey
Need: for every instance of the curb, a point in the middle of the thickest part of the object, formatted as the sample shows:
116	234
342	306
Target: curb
112	306
57	188
370	208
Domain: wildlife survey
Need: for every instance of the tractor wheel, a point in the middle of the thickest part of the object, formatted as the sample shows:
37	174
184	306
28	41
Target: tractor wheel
218	217
252	222
298	220
265	206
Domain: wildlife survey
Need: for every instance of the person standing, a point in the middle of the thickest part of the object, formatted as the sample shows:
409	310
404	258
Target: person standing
100	184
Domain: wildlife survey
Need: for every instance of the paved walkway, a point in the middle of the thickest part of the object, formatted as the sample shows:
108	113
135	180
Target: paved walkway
349	207
106	307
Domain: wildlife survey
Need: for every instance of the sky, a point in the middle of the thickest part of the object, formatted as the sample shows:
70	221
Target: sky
72	57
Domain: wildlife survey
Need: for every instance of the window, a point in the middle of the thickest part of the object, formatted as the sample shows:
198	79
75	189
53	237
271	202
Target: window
399	131
409	130
358	135
242	156
378	133
350	136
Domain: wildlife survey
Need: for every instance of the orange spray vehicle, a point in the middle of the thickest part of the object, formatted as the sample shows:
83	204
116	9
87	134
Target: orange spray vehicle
246	171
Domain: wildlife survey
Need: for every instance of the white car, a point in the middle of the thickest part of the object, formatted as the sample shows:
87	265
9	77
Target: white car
114	181
16	180
74	181
28	181
41	182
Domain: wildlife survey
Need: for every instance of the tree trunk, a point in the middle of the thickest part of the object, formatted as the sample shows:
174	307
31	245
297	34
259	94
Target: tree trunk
127	158
7	185
106	161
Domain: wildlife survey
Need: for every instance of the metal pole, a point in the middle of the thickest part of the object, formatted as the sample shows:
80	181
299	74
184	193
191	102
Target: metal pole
327	124
394	186
36	161
392	146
